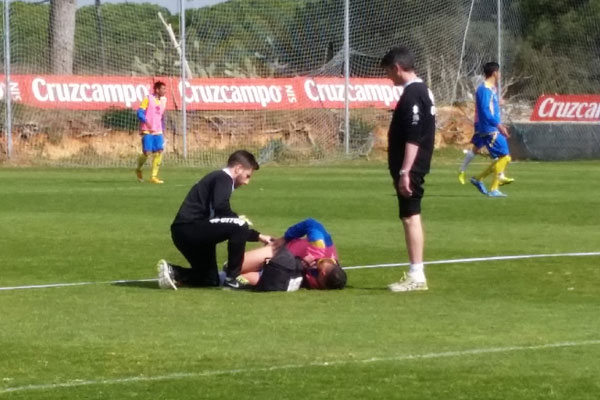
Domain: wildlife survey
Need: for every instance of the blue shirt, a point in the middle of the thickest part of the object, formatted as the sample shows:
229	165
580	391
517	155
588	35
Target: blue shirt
487	109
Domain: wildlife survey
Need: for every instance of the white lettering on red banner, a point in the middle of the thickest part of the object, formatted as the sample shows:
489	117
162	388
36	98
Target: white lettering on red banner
327	92
232	94
14	89
581	108
103	92
75	92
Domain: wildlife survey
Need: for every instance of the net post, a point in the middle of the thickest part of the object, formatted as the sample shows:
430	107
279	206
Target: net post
346	76
7	93
183	75
499	24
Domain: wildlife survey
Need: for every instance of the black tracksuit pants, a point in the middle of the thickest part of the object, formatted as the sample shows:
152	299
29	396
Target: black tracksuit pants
198	241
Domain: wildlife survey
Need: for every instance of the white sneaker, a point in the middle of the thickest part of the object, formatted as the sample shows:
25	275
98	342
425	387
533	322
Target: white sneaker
408	284
166	278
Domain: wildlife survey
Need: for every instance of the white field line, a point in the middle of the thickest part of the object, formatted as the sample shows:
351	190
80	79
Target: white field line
453	261
236	371
53	285
477	259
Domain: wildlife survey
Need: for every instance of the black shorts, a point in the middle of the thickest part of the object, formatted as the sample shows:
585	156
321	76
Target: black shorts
408	206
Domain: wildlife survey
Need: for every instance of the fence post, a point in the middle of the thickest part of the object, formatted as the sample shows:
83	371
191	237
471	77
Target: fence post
183	75
462	54
499	24
7	94
346	75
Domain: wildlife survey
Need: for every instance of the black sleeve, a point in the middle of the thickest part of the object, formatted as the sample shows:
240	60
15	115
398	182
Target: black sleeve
414	116
253	235
221	192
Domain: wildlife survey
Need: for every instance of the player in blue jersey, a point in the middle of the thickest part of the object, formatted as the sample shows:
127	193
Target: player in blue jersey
487	120
489	132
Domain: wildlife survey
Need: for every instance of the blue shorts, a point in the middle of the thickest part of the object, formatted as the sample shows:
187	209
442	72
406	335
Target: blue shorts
152	143
495	142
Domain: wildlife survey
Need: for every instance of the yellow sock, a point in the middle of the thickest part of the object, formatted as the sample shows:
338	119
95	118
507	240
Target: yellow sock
485	173
495	183
155	164
141	161
499	167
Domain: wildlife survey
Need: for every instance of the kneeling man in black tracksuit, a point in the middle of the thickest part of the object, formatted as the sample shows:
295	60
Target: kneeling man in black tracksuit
204	219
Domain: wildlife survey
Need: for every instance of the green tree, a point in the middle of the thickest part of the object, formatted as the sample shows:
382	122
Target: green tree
560	46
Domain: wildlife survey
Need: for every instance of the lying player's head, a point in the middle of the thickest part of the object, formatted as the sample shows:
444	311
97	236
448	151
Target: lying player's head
490	68
397	61
160	88
242	164
331	275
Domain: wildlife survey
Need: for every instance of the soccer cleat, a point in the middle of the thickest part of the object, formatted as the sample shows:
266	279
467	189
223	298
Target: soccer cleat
505	180
408	284
496	193
461	177
479	185
166	276
156	180
239	283
138	174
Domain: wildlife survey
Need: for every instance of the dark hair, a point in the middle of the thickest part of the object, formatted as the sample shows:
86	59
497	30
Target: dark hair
490	68
336	278
158	84
399	55
244	158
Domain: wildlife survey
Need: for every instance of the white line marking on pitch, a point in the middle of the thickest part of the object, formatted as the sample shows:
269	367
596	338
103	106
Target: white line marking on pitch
454	261
206	373
52	285
467	260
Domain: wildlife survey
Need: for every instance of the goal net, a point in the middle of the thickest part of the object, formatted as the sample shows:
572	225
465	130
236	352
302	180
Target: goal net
269	76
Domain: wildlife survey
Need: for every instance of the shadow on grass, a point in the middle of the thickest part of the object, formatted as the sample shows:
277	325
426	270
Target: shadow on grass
367	288
153	284
138	284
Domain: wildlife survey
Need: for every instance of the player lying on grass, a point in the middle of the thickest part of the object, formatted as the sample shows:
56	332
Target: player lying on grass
204	219
307	244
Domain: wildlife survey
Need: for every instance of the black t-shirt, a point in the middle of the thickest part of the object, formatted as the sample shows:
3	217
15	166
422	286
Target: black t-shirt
413	121
207	199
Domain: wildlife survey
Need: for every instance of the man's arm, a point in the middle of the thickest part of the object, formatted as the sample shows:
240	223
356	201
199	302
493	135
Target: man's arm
414	135
162	120
141	112
313	229
221	193
410	154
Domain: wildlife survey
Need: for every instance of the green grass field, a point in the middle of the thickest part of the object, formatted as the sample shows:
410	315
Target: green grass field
512	329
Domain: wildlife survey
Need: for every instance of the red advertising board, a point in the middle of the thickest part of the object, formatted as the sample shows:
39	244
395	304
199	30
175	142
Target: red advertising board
578	108
102	92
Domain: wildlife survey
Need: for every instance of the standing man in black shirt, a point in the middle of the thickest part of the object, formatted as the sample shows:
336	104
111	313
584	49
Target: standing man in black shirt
204	219
410	147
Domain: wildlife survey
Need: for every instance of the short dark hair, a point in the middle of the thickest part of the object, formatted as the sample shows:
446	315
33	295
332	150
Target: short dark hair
336	278
399	55
158	84
244	158
490	68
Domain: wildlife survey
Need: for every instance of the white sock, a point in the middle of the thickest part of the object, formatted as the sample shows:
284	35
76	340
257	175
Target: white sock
416	271
221	277
469	156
